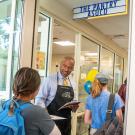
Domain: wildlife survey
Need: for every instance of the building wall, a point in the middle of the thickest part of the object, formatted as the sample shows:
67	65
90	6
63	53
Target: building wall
63	14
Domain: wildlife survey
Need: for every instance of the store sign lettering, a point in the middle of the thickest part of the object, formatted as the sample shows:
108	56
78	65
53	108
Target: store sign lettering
109	8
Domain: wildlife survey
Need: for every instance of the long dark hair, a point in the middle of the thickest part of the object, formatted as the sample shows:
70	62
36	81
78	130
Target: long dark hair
26	81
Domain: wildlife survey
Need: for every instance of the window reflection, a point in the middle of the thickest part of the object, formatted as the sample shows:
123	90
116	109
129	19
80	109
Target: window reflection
5	19
17	39
88	60
118	73
106	65
8	55
63	45
82	128
40	61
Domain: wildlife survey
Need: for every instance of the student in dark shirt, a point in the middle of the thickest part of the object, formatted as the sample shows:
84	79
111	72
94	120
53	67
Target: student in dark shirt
37	120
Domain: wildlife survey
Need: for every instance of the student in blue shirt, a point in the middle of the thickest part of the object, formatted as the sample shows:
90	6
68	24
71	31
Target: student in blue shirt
54	93
97	103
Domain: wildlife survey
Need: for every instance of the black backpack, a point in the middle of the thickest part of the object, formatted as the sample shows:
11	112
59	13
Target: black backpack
111	126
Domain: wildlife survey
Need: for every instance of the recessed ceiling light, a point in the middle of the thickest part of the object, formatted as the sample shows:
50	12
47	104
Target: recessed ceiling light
64	43
91	54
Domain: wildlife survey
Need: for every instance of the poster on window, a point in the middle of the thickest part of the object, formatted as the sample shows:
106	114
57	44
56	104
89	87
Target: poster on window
40	60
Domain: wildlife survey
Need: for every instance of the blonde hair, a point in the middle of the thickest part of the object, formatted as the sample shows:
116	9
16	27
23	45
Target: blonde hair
96	88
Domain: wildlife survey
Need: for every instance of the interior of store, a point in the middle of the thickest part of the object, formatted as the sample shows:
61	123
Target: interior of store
57	36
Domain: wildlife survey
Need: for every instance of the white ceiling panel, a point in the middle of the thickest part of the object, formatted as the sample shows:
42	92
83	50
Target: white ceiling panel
63	49
123	43
117	28
62	33
76	3
109	26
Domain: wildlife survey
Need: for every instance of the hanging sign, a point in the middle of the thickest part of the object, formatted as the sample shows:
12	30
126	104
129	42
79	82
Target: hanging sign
101	9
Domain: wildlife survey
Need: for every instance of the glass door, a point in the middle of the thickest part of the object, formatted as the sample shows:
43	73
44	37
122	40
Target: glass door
118	72
10	33
63	45
107	65
89	60
41	51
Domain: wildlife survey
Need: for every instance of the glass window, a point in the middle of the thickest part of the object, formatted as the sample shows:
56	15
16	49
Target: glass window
41	49
106	64
17	35
118	73
82	129
17	39
5	19
10	33
63	45
88	60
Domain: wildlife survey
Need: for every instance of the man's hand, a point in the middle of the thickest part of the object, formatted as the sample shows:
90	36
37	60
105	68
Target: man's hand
74	107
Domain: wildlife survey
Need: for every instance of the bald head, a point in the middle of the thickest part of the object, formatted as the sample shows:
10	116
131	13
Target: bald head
67	66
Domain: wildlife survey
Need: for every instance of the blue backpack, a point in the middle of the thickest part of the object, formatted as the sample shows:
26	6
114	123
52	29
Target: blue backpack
11	121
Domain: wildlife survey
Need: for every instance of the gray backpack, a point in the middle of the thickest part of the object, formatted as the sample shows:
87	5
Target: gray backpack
111	126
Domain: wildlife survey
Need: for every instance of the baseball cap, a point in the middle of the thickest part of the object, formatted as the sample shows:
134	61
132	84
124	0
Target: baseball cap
103	78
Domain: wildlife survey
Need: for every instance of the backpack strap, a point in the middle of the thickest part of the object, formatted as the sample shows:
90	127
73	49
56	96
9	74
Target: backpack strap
21	106
25	105
110	106
16	104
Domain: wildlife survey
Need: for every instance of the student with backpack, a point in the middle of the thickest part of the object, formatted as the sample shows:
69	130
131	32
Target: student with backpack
20	116
97	104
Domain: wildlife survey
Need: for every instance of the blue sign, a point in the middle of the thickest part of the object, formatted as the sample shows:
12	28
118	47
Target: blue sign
102	9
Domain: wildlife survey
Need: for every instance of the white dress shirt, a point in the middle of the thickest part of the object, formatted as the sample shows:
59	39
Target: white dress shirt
48	89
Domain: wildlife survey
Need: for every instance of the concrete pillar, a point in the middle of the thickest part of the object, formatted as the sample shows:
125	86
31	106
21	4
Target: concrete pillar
28	29
130	109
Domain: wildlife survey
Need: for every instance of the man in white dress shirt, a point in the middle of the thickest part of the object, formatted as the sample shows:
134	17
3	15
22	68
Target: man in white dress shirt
53	94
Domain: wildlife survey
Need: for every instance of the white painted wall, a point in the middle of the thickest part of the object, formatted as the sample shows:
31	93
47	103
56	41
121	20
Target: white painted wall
27	33
130	109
